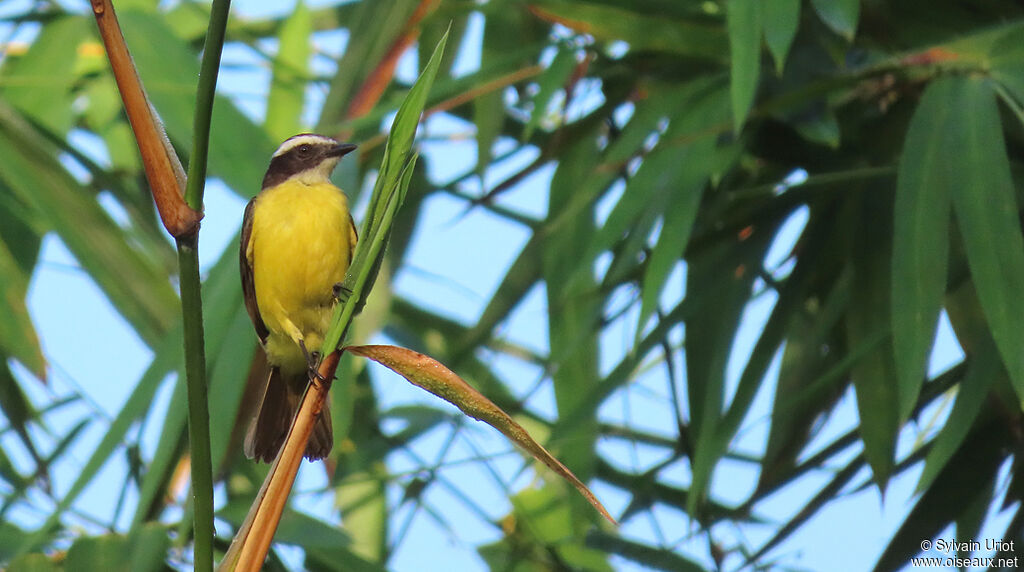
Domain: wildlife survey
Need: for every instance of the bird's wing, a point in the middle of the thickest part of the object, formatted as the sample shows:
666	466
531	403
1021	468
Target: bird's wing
245	268
352	238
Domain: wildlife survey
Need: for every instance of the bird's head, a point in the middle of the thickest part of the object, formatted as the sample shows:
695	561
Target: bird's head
308	158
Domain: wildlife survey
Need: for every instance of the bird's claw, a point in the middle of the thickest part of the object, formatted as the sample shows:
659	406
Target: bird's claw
312	358
312	362
341	292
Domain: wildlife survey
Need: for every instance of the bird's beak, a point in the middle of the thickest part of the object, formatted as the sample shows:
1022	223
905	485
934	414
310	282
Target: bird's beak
342	149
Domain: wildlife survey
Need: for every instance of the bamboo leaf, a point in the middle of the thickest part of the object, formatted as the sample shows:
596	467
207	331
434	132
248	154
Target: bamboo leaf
378	23
573	311
720	277
488	116
840	15
781	19
920	235
17	334
168	67
501	36
744	19
688	169
10	538
97	553
979	164
434	377
395	171
227	327
148	548
646	556
18	411
952	492
543	536
972	391
808	382
548	85
39	83
34	563
1005	58
874	375
842	478
643	31
290	70
167	356
137	286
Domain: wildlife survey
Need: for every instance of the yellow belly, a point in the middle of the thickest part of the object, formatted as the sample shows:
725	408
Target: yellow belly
299	249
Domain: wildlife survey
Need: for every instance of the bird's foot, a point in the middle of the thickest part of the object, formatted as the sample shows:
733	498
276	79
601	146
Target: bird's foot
312	362
341	292
312	358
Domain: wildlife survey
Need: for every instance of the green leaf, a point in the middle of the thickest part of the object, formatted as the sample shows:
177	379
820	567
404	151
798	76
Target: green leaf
573	311
239	149
149	548
142	552
34	563
920	233
811	302
987	214
659	101
227	328
685	169
138	287
718	283
39	83
643	554
744	19
973	389
407	118
489	117
378	24
168	452
821	128
840	15
953	491
10	537
681	157
501	38
17	334
827	494
290	73
644	32
548	85
868	315
398	149
543	537
167	357
781	19
98	553
1005	59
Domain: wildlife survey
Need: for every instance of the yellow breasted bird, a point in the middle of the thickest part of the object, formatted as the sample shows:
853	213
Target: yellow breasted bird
298	239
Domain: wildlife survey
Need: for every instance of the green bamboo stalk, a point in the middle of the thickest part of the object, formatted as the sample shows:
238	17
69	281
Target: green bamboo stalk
198	408
191	297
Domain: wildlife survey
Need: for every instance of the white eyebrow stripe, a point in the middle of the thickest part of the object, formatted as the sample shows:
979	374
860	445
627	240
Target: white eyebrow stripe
294	142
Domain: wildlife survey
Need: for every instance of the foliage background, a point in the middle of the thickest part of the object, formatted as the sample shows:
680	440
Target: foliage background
710	243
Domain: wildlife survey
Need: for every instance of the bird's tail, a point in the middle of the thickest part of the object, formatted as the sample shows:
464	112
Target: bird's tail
269	427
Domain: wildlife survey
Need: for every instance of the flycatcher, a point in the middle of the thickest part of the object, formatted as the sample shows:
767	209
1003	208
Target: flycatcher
298	239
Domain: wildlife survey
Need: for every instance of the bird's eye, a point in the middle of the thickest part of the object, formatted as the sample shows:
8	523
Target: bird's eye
305	149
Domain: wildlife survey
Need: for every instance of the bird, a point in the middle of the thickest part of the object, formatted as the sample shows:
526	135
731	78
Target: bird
298	239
